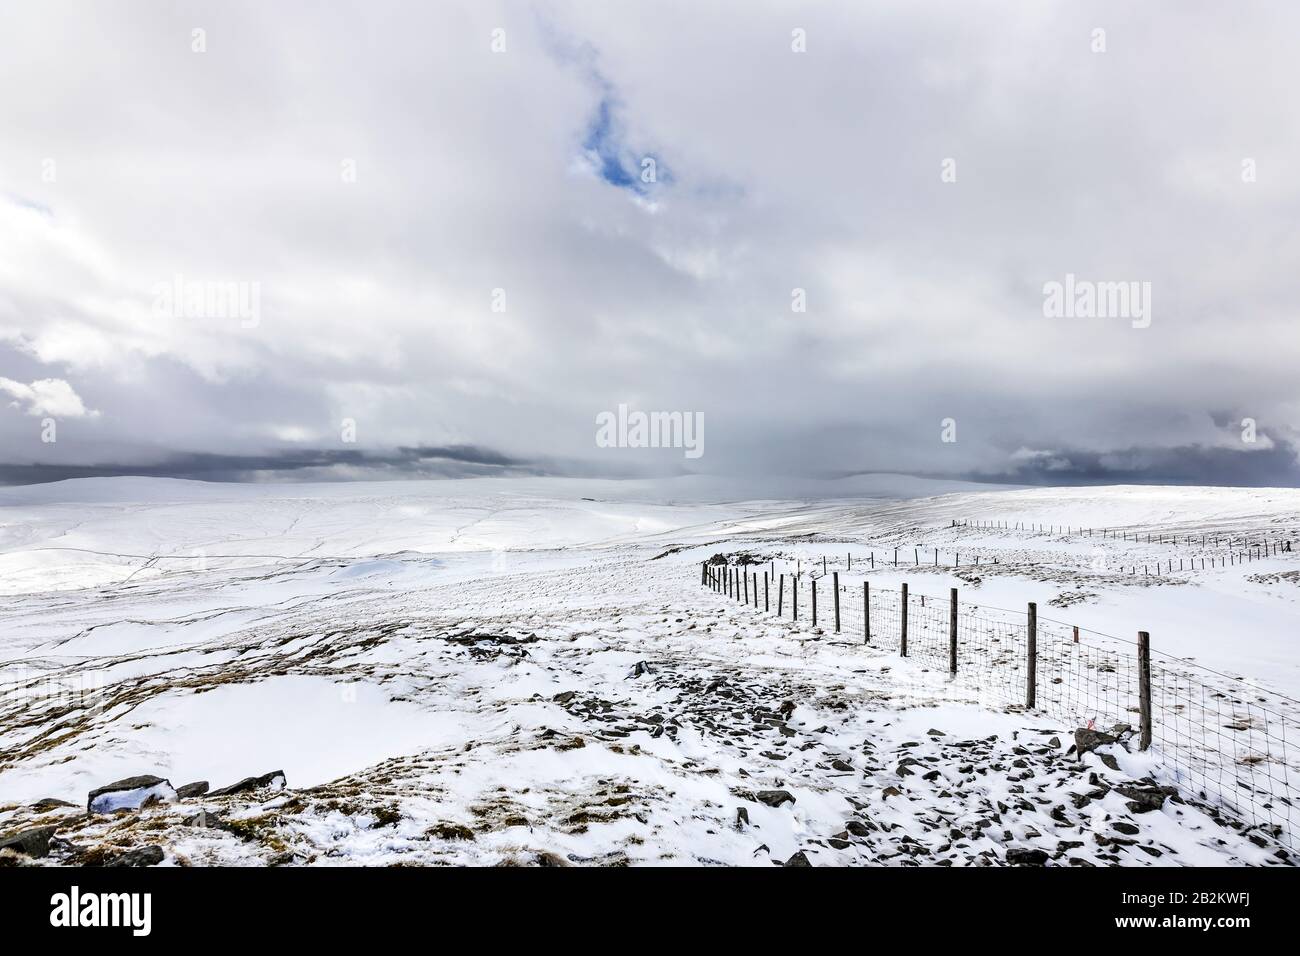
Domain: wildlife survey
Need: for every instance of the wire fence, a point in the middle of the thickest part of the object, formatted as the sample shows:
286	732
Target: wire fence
1100	561
1229	742
1244	544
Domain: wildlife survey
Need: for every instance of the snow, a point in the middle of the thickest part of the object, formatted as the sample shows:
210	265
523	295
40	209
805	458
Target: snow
131	799
508	659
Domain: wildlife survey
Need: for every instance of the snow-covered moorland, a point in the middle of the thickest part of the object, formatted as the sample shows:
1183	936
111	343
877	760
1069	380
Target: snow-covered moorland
528	671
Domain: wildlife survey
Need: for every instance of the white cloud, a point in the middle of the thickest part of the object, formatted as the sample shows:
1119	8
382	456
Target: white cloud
47	396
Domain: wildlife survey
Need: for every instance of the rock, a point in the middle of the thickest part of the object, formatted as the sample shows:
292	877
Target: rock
49	803
196	789
204	818
890	792
130	793
1110	761
935	733
34	841
797	860
774	798
1086	741
1145	798
742	818
857	828
565	697
640	668
842	765
140	856
1026	856
1126	828
839	844
275	779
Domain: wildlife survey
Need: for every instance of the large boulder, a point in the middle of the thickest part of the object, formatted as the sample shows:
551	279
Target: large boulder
188	790
130	793
1026	856
1143	798
31	842
275	780
140	856
1086	740
774	798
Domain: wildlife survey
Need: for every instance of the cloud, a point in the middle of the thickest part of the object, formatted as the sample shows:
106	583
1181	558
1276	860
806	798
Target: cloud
520	172
47	396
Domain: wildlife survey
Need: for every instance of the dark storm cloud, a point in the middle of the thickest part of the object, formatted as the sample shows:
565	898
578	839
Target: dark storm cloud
1187	465
318	464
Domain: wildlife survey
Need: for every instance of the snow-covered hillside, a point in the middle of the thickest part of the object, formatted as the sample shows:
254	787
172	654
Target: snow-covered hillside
490	671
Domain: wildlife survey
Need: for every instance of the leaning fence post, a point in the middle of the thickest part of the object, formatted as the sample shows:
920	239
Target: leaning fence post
952	631
902	633
1144	688
836	577
1031	677
866	612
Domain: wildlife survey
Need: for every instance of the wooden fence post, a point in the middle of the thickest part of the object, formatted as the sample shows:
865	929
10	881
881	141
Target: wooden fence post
836	581
766	606
780	594
813	583
952	631
1031	677
902	632
746	576
1144	689
866	612
794	598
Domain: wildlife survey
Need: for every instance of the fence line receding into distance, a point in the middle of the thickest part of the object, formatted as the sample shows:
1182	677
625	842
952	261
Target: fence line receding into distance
1216	736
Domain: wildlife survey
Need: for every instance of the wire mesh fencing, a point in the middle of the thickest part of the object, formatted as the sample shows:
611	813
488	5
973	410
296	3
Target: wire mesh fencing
1215	735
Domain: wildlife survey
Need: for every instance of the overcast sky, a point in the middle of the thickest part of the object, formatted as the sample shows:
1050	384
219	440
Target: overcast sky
372	173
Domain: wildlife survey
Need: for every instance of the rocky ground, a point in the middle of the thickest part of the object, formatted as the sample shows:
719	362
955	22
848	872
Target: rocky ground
603	709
